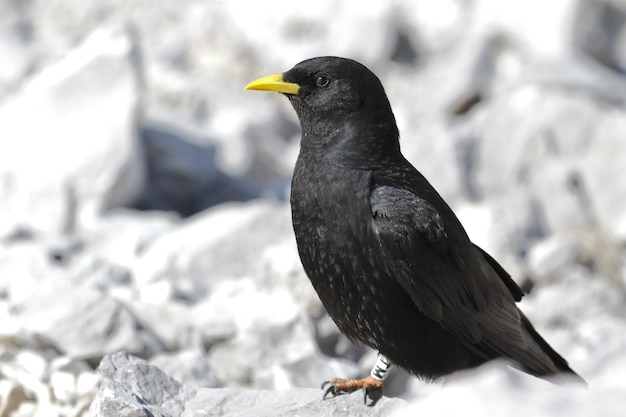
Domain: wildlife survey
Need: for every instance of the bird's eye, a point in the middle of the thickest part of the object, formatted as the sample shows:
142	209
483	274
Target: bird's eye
322	81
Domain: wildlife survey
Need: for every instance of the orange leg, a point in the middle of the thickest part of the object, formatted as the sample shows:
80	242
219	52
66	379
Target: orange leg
372	385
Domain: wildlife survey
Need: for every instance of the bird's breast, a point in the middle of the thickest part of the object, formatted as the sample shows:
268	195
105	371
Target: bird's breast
330	210
332	222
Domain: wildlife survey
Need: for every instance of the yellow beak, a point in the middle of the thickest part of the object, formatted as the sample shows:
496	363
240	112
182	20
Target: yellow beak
273	82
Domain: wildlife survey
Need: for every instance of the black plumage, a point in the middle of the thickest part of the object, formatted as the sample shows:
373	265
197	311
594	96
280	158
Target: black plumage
388	258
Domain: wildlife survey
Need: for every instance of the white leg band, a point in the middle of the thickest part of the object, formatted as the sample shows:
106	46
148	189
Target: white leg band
381	369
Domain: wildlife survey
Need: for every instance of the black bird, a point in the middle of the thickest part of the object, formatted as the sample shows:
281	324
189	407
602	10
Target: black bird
387	256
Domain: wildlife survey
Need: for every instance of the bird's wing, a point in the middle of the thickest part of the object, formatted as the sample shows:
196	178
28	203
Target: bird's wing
515	290
448	278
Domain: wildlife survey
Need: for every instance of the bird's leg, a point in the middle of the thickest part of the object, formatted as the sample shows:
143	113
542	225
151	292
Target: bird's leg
372	385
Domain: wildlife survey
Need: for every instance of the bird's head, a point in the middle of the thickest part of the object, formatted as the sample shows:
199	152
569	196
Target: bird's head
335	96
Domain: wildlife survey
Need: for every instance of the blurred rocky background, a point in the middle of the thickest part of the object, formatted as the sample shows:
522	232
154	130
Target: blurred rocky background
144	223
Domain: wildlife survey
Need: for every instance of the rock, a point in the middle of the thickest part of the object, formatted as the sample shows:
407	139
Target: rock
554	143
73	381
468	69
184	177
14	48
541	30
234	235
83	323
121	235
167	318
551	258
379	39
131	387
11	397
435	26
263	318
308	372
28	369
299	402
600	32
495	389
70	148
211	321
187	366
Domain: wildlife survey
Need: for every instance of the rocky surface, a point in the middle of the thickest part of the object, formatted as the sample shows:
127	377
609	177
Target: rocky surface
132	387
147	262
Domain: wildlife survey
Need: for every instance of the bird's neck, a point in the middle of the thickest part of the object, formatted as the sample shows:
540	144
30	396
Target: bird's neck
352	143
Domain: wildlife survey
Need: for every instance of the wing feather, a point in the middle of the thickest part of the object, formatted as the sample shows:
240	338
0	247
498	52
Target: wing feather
448	278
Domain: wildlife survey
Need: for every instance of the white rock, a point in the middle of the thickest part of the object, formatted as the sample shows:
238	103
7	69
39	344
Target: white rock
11	397
69	148
552	257
600	32
156	292
495	389
121	235
309	372
335	36
168	320
187	366
71	380
24	264
87	384
63	386
14	48
436	25
32	363
537	164
133	387
222	242
28	369
542	28
83	323
262	319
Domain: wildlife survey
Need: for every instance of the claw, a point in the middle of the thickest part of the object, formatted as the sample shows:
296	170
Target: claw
372	388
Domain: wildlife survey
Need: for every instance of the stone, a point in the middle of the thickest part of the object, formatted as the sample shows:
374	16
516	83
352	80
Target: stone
28	370
187	366
208	323
600	32
131	387
300	402
183	175
15	50
552	152
555	257
234	235
311	371
494	388
262	318
122	234
72	381
82	156
541	30
12	396
83	323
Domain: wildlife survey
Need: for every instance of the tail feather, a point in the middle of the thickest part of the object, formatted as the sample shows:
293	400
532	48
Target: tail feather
559	362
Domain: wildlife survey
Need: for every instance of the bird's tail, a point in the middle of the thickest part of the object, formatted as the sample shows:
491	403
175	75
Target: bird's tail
561	364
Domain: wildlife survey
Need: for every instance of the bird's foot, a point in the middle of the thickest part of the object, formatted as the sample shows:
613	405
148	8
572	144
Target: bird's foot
372	388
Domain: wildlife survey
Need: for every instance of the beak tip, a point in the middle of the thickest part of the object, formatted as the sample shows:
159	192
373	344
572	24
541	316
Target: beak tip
250	86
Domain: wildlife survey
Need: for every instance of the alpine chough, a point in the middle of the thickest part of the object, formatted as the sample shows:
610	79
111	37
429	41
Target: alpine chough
388	258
